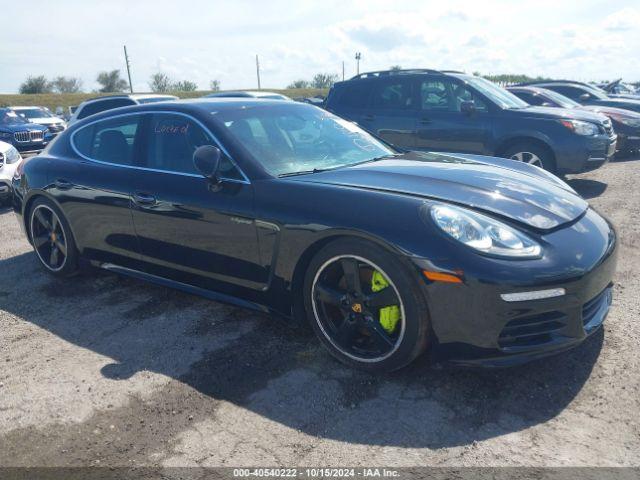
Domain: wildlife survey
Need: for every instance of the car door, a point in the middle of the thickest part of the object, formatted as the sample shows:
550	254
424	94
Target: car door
94	188
187	230
443	126
392	111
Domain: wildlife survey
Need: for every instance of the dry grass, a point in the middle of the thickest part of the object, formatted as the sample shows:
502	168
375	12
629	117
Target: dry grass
53	100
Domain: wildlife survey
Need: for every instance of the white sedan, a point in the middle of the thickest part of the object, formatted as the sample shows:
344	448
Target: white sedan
9	160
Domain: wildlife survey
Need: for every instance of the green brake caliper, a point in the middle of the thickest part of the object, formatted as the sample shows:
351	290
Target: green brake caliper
390	315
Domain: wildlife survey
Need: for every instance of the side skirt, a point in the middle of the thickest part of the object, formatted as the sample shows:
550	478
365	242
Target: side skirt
165	282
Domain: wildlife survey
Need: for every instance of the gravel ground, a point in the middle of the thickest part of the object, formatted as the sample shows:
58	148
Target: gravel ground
104	370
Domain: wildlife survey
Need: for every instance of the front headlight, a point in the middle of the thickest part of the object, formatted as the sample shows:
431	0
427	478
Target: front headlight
6	135
581	128
12	156
484	233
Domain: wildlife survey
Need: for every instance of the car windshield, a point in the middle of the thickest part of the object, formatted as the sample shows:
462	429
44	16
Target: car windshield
564	102
503	98
31	113
297	138
9	117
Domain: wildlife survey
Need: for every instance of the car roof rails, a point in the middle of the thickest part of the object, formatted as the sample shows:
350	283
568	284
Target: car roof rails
384	73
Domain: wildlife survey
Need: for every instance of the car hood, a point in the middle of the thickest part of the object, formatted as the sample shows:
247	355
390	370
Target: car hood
22	127
558	113
46	121
517	191
624	103
610	110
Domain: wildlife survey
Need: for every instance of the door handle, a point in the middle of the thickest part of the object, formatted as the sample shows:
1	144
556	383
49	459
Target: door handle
144	199
425	121
369	117
62	184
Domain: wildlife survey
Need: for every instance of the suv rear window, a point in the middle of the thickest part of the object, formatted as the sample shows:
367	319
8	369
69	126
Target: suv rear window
356	95
395	94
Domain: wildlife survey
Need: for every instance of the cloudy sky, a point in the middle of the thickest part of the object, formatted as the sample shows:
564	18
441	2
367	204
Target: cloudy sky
202	40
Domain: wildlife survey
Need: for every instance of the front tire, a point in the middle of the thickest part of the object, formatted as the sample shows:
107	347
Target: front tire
366	306
532	154
52	239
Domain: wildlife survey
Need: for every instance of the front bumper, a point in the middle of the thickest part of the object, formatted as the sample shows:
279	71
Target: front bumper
583	154
474	326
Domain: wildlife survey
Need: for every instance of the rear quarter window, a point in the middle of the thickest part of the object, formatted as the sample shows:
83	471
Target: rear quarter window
356	95
104	105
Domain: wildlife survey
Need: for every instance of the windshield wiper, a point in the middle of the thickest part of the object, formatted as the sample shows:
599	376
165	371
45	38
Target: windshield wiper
303	172
318	170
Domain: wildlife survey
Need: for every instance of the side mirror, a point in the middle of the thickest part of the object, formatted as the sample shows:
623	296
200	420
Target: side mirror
585	96
207	161
468	107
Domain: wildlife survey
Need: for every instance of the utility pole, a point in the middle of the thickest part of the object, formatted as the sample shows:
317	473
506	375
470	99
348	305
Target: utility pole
258	71
126	59
343	70
358	57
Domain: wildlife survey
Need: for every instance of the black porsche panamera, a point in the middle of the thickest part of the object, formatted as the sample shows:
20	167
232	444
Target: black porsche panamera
286	208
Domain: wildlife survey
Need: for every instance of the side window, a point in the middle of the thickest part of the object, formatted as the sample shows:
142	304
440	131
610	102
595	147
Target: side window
571	92
462	94
110	140
104	105
392	94
530	98
435	95
356	95
173	139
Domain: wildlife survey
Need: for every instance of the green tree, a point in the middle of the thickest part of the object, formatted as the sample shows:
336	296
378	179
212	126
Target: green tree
214	85
67	84
111	82
324	80
38	84
300	84
395	68
184	86
160	83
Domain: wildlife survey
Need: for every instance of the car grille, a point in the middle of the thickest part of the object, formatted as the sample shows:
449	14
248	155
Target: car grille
594	311
531	331
1	160
608	127
32	136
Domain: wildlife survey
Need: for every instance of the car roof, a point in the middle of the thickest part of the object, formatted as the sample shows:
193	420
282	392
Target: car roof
201	105
528	88
407	72
243	93
133	96
25	107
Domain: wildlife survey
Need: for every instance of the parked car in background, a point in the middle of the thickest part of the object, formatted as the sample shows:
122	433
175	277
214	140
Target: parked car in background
284	207
317	101
620	89
42	116
626	123
27	137
101	104
9	160
585	94
453	112
248	94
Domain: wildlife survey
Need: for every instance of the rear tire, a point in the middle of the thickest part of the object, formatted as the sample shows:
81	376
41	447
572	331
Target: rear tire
350	323
533	154
52	239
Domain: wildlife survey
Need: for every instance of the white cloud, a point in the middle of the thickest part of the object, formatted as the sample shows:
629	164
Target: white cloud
298	39
623	20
